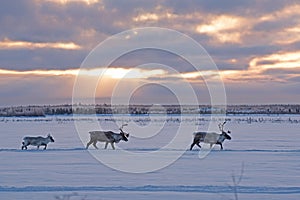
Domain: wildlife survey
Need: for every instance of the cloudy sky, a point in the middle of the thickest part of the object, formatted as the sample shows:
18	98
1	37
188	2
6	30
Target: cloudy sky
255	45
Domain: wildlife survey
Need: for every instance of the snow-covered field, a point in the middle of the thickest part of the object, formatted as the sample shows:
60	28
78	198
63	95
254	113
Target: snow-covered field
264	154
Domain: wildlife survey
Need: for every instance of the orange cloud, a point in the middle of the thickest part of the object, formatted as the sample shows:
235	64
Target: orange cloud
260	67
146	17
155	16
88	2
225	28
282	60
286	12
113	73
10	44
40	72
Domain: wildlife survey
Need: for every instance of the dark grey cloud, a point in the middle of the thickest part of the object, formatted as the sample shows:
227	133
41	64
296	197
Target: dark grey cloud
213	6
236	7
295	79
269	25
16	8
15	17
295	46
144	56
40	59
242	54
276	25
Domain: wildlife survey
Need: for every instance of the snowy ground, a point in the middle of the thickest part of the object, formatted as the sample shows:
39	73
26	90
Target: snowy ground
264	153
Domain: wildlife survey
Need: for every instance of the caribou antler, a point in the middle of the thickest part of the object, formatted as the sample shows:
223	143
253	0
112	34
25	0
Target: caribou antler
221	126
122	127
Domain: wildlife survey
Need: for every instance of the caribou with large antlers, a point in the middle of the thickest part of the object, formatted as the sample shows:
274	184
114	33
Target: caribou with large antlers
211	137
107	137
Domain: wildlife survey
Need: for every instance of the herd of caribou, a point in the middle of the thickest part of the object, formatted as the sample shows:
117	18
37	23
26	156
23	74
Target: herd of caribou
111	137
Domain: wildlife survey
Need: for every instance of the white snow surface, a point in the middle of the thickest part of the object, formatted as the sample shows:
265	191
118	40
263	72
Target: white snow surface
264	154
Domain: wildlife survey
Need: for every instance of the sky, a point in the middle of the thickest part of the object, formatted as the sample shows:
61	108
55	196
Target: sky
255	45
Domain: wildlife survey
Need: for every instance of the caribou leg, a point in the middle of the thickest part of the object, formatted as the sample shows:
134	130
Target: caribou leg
192	145
221	146
195	143
88	144
219	143
106	143
112	145
94	144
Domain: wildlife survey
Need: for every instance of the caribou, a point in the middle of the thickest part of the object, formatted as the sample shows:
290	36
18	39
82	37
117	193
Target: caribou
37	141
211	137
107	137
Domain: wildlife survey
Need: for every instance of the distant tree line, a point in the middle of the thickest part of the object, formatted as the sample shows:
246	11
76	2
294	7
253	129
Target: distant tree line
106	109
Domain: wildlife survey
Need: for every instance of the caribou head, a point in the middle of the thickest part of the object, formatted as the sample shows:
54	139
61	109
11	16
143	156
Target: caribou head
123	134
224	133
